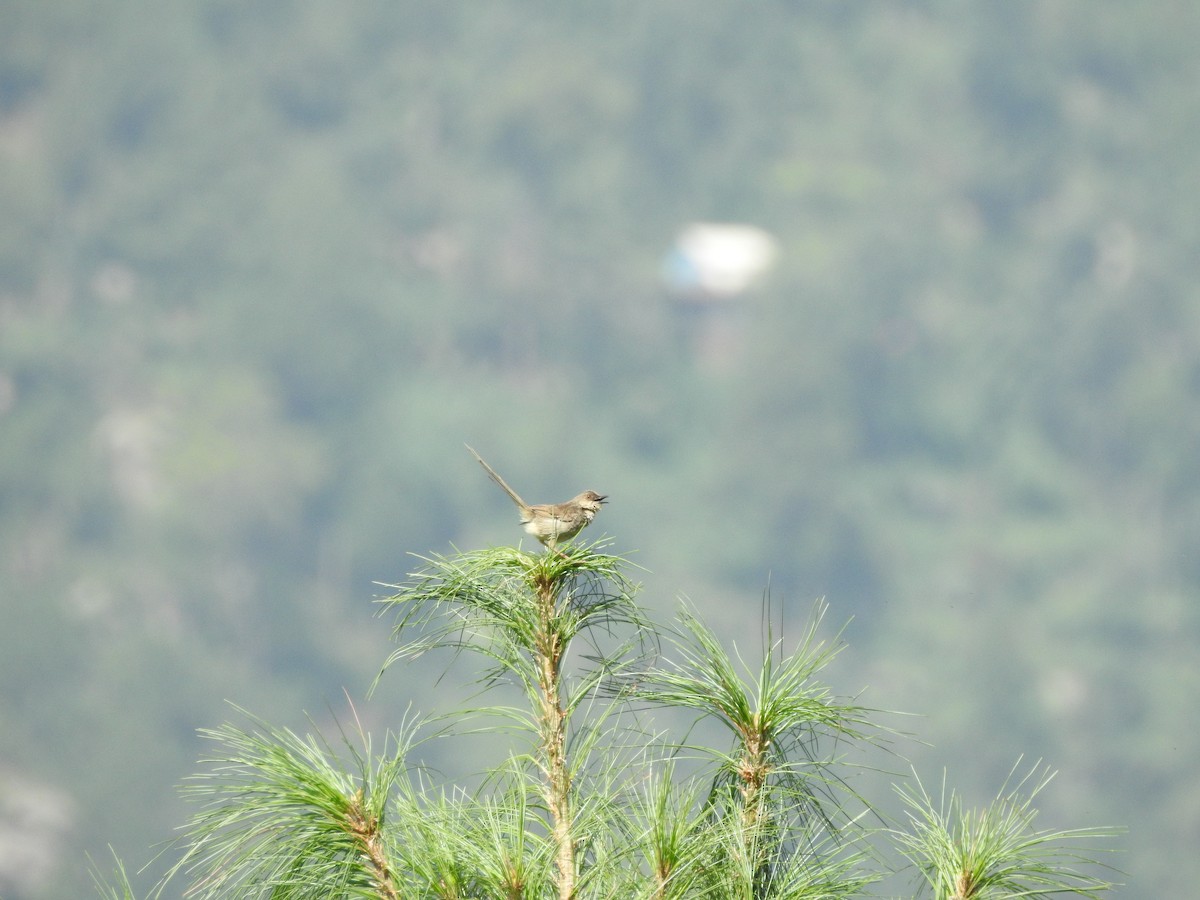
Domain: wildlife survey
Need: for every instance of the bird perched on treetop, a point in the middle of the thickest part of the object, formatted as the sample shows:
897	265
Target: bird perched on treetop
550	522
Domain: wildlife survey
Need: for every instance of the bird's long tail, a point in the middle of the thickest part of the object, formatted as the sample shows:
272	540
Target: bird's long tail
495	476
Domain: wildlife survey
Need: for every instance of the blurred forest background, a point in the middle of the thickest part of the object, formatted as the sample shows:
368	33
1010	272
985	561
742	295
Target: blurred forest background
266	265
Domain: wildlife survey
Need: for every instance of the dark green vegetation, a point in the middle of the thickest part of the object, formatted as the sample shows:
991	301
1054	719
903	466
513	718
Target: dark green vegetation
265	266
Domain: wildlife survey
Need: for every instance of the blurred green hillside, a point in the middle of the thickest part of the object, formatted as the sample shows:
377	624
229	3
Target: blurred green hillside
265	266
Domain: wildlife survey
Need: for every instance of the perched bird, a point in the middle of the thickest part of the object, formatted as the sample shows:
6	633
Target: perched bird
550	522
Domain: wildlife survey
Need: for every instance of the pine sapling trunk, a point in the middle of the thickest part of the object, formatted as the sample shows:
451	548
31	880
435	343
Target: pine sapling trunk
754	768
365	829
557	773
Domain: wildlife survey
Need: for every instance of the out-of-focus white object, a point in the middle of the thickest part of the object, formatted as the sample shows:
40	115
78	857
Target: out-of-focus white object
712	261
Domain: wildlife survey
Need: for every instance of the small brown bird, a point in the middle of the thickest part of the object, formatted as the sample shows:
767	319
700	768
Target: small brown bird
550	522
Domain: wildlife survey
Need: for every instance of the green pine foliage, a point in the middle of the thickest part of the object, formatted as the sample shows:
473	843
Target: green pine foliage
591	801
996	851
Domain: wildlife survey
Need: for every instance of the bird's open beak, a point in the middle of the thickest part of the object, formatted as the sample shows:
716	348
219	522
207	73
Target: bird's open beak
603	498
